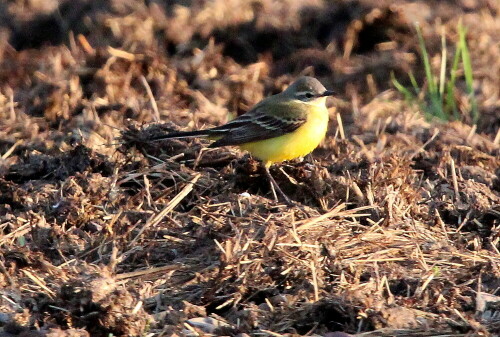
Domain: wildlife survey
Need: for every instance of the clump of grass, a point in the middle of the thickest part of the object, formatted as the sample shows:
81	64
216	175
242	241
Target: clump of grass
437	97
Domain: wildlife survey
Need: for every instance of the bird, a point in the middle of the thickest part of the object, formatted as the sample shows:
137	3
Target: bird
281	127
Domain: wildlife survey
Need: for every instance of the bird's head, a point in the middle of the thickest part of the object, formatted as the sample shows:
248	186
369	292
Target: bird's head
308	90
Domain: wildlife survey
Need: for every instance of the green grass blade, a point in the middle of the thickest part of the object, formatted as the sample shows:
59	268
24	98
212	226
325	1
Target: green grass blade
436	106
451	104
409	96
414	82
437	97
468	71
456	61
442	73
427	63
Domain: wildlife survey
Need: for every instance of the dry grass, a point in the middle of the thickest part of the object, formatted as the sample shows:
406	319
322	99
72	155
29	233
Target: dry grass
105	233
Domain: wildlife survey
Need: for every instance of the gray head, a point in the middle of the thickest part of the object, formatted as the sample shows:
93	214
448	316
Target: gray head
307	89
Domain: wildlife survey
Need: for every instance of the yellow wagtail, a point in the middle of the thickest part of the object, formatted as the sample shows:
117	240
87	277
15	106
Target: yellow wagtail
281	127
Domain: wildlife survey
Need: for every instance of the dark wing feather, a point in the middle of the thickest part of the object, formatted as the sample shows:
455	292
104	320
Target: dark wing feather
256	126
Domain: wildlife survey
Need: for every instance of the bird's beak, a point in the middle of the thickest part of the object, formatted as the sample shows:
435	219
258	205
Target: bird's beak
328	93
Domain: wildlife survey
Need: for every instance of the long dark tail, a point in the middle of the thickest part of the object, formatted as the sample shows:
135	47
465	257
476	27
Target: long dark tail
185	134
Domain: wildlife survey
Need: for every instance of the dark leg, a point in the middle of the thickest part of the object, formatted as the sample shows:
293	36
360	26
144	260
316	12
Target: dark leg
310	158
275	188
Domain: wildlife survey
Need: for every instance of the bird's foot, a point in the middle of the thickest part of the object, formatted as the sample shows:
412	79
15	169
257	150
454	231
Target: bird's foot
275	188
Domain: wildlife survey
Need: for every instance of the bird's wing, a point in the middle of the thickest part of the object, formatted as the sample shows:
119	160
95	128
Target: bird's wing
264	121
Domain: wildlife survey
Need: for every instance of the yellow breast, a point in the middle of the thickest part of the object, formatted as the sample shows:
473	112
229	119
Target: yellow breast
293	145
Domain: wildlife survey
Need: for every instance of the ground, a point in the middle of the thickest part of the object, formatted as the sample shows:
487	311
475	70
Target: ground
396	231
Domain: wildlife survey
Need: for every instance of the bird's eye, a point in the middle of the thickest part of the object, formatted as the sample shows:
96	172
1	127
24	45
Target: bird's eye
309	95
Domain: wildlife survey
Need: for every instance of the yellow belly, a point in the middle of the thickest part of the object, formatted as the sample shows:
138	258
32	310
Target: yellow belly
292	145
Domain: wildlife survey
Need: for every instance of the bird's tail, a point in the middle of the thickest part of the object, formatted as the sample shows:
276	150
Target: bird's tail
184	134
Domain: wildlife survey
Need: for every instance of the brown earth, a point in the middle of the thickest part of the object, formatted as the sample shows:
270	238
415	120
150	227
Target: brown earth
106	234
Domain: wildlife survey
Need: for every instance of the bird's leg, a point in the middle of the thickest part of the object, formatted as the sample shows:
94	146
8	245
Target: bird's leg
271	183
275	187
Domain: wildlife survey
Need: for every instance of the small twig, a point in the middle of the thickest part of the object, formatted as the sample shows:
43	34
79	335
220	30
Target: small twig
422	148
155	219
11	149
341	126
315	281
59	308
337	211
156	114
272	333
12	302
455	181
441	223
6	274
20	231
122	54
12	105
137	307
40	283
331	213
422	288
85	44
471	134
462	224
